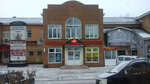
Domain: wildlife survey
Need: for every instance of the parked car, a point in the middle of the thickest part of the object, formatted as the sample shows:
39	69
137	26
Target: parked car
128	72
122	58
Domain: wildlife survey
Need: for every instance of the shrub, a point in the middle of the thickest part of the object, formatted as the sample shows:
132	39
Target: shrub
17	77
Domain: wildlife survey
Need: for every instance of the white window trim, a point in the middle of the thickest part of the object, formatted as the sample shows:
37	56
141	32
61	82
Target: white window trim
92	55
75	29
56	31
89	31
54	52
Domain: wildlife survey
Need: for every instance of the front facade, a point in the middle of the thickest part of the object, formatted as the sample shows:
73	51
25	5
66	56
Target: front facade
73	35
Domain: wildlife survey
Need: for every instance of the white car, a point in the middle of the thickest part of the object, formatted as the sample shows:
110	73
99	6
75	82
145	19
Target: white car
122	58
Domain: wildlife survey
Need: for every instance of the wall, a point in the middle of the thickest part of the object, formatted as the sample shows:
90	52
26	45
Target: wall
36	32
146	23
35	58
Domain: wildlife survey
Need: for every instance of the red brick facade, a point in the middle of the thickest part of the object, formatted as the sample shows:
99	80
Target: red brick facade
87	14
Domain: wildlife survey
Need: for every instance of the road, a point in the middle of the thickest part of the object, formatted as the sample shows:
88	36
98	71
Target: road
66	82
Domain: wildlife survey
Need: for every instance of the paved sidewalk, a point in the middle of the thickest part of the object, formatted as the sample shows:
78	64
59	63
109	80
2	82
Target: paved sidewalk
52	74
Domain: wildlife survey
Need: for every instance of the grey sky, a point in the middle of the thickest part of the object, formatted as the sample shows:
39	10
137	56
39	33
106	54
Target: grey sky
111	8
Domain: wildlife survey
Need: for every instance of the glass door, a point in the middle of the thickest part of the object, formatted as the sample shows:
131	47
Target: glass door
74	56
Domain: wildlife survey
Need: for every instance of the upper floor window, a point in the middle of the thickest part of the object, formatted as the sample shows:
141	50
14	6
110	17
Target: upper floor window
6	36
73	28
29	33
54	31
91	31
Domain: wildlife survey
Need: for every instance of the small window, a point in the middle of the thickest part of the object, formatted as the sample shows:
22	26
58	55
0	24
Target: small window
39	53
29	33
31	53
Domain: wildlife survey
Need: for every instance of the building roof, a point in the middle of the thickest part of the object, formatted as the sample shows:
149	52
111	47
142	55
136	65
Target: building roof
140	32
143	15
28	21
39	21
120	20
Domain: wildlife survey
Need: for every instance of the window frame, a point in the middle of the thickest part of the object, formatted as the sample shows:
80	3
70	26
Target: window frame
93	29
38	53
57	31
73	26
29	33
92	55
55	56
30	52
6	34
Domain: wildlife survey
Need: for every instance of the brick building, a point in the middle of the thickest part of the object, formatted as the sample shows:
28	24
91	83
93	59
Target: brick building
73	35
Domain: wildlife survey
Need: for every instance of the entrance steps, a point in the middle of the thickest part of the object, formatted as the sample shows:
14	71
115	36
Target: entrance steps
74	67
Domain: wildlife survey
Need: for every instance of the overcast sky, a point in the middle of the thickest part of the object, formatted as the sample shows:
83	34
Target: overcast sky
111	8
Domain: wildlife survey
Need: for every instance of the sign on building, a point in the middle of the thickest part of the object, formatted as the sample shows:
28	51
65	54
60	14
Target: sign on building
18	41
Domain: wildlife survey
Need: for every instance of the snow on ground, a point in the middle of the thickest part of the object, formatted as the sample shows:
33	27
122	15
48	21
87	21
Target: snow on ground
51	74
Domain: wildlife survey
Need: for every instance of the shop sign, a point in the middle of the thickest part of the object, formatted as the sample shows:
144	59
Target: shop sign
18	53
120	44
110	48
54	42
17	43
93	42
18	58
31	42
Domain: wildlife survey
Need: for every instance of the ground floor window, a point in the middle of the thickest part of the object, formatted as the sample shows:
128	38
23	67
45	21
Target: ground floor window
110	54
92	54
31	53
39	53
54	55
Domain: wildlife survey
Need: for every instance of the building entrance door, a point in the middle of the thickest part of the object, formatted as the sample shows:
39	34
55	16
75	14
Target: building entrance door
74	56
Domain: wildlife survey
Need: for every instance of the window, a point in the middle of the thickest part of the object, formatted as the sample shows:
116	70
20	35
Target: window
92	54
54	55
54	31
91	31
29	33
39	53
6	36
31	53
73	28
110	54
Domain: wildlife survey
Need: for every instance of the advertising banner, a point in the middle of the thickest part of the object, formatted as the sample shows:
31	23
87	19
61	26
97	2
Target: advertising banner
18	43
18	33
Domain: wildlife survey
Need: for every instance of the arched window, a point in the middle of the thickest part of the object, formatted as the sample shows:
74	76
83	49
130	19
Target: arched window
73	28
